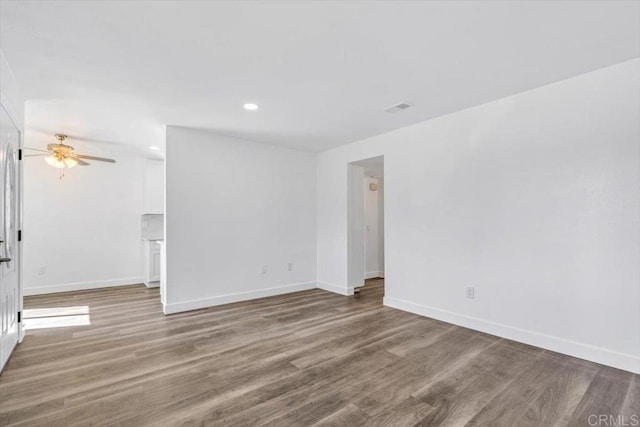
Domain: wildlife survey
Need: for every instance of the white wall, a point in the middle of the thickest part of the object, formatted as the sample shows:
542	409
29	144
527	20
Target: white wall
372	223
231	208
532	199
356	232
153	190
380	226
85	228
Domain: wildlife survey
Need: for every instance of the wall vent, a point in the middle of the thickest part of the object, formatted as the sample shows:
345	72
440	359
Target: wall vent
398	107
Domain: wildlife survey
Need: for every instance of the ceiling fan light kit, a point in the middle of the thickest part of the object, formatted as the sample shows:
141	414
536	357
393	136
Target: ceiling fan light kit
62	156
55	162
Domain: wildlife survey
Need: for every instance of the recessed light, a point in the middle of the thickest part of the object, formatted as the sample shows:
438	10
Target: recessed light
154	148
251	107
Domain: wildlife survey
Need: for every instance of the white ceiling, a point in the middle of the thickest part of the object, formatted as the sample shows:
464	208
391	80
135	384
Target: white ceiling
322	72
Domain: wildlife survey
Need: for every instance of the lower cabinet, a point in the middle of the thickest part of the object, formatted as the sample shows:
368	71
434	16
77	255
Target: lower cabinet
152	264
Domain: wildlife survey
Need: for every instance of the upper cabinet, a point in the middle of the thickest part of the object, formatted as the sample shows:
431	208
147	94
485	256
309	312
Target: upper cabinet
154	186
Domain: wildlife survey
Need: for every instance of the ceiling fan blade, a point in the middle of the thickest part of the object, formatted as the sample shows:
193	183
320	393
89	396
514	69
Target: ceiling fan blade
98	159
35	149
81	162
36	155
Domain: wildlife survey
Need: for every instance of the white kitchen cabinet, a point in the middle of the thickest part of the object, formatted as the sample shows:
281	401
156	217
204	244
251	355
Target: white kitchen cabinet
152	263
154	187
163	275
152	226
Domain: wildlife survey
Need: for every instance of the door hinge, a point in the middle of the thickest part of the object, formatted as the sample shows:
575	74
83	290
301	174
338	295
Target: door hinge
19	235
20	154
19	316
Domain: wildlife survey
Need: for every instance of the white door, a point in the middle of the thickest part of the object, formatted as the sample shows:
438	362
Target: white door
9	265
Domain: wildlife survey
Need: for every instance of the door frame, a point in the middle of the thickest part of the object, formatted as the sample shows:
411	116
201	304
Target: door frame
356	251
4	104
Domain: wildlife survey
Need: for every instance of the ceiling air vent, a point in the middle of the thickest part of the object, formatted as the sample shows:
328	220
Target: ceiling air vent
398	107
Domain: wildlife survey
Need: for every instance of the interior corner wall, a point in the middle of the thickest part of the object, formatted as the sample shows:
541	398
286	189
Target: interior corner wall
10	93
231	209
533	200
82	231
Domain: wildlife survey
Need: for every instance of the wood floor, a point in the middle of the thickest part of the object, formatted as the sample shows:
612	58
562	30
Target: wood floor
309	358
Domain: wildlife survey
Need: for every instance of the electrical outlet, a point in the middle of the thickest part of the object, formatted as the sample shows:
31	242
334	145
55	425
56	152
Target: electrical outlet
42	270
264	268
290	266
470	292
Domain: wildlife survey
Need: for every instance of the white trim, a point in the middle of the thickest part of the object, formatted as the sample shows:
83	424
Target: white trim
374	274
589	352
230	298
79	286
152	284
342	290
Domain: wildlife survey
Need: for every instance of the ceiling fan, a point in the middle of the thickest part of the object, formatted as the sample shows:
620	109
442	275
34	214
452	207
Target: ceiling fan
63	156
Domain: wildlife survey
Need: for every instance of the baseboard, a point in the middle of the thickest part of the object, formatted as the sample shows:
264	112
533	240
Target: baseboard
595	354
80	286
237	297
374	275
342	290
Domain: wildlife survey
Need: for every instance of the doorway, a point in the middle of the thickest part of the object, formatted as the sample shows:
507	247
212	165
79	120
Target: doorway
365	212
